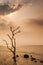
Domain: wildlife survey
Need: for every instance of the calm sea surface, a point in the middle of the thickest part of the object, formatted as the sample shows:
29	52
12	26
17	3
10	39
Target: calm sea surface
34	50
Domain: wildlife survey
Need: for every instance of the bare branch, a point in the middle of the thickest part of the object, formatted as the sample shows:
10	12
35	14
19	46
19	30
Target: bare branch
9	36
16	29
17	32
11	40
7	45
11	29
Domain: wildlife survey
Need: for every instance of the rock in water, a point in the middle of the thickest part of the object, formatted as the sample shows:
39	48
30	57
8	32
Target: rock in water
26	56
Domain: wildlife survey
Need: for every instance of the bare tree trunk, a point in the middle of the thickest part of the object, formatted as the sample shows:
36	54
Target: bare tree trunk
14	52
14	57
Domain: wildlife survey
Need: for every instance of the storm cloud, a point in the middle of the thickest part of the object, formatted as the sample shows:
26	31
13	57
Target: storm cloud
38	22
10	6
7	7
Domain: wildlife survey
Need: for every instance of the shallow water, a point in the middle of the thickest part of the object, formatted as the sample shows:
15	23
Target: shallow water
35	51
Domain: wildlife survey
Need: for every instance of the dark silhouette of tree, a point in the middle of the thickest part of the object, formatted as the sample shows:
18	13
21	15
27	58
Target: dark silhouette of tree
13	41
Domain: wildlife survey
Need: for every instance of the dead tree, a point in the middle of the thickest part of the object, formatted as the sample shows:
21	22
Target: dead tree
13	41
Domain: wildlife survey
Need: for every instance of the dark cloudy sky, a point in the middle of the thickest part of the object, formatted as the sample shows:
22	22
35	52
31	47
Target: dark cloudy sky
29	17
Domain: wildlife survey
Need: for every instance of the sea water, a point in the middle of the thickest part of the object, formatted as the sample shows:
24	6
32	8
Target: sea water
35	50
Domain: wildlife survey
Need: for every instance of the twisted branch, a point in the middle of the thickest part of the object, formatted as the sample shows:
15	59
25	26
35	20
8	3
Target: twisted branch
8	46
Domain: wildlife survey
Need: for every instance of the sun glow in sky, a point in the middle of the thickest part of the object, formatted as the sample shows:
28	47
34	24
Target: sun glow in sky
10	15
30	19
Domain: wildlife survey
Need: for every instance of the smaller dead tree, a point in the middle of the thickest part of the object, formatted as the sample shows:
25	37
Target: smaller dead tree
13	41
